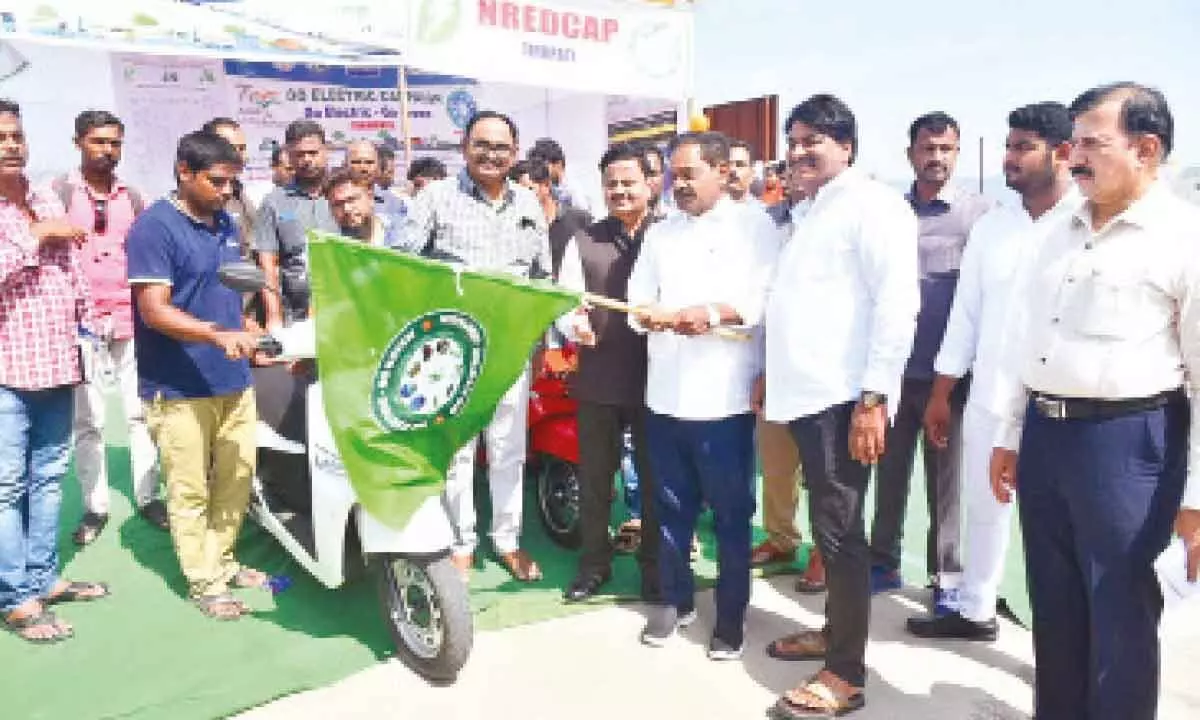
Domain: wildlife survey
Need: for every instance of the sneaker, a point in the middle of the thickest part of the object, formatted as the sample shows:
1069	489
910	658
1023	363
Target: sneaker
719	650
953	626
945	601
885	580
661	624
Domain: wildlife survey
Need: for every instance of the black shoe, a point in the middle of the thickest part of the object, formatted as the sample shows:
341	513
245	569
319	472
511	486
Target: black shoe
953	627
155	513
651	587
89	528
661	624
584	586
719	649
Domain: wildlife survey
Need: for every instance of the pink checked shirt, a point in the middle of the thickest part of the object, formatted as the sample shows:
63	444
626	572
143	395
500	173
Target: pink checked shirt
43	299
103	255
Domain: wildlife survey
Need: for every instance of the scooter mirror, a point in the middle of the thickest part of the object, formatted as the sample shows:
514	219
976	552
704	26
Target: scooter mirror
243	277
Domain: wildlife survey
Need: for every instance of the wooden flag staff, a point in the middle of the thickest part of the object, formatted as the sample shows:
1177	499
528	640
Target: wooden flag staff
608	303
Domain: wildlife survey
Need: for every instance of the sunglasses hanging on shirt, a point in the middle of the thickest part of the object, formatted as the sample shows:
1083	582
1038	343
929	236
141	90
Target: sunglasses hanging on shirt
101	223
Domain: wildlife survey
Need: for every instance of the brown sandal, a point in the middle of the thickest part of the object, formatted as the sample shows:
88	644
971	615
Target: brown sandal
803	645
249	578
43	619
224	607
824	695
78	592
522	567
629	537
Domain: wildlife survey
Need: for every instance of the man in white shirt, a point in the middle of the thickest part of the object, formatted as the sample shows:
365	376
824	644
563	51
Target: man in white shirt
1036	165
839	326
706	267
1107	333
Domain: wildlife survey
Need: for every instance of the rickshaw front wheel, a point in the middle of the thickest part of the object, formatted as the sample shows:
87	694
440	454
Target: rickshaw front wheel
428	614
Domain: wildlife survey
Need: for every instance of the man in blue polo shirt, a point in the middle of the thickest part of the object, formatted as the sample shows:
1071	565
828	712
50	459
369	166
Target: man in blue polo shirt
193	372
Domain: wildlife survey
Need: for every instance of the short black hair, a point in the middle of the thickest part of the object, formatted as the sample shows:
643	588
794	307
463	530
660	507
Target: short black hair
714	146
298	130
429	167
277	155
735	143
212	126
936	122
490	115
91	119
385	153
547	150
1051	121
9	107
337	178
829	115
648	148
625	151
199	151
536	168
1143	112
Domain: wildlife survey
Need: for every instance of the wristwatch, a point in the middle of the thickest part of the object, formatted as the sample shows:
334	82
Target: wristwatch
870	399
714	316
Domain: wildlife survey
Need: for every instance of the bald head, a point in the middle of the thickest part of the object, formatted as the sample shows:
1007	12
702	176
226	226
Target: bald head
362	157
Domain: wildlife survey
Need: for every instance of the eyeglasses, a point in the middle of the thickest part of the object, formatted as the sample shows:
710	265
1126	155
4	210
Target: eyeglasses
101	223
482	147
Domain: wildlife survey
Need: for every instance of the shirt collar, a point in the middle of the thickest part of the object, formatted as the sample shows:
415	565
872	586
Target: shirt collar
1144	213
75	177
948	195
294	190
467	185
224	223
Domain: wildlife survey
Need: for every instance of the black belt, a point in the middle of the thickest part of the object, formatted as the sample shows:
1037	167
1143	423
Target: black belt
1064	408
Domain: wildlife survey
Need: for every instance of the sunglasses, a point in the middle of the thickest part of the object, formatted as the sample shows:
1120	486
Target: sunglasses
101	223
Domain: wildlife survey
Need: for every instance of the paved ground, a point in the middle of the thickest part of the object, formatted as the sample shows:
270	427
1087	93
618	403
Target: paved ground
592	666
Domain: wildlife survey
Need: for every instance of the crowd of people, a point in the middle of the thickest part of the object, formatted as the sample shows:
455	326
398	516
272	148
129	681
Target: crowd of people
814	319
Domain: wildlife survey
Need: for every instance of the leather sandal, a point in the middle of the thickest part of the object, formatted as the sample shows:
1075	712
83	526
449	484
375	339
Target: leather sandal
78	592
250	578
803	645
824	695
522	566
768	553
42	618
89	528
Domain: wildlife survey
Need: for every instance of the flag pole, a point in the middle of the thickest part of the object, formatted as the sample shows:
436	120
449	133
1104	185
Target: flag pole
611	304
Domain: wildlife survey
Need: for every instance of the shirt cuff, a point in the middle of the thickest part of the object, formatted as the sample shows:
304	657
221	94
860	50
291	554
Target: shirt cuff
945	366
1191	491
1008	435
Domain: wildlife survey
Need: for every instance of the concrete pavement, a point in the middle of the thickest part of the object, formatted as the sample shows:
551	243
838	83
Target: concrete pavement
592	667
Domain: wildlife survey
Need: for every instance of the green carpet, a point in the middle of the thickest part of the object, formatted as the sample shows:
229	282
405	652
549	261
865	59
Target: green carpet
147	653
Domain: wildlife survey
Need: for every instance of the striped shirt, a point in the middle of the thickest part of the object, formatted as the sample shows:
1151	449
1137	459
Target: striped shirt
452	220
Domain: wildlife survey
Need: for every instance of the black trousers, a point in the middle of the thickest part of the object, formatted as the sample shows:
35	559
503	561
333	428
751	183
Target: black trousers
601	442
942	482
837	486
1097	501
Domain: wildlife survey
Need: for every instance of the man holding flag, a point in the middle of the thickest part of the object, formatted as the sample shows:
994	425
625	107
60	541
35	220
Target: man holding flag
481	220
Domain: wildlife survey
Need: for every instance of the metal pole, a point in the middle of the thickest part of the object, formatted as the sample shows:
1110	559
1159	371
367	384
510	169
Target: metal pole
980	164
404	121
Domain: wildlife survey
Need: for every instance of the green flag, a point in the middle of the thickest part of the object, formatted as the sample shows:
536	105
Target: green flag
414	357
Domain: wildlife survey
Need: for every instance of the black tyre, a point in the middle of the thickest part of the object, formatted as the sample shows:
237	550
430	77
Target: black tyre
557	483
428	614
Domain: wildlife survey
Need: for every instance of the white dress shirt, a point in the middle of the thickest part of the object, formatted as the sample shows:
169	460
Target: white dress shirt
725	256
843	305
1112	314
975	334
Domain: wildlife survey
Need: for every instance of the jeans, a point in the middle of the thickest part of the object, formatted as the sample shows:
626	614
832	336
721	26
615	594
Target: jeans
694	461
35	433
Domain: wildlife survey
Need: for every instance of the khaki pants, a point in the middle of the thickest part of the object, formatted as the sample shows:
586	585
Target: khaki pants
194	436
781	487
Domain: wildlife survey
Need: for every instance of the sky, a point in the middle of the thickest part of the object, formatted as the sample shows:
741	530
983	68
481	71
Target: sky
892	60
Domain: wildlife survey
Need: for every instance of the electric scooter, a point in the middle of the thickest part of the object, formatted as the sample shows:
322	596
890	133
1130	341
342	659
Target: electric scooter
302	496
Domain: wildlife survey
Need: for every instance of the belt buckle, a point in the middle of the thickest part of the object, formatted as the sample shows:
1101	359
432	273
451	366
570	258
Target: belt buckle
1053	409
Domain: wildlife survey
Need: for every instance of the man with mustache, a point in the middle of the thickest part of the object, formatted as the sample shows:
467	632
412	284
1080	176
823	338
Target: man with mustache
44	299
241	208
654	157
1036	167
1105	337
610	384
354	210
481	219
853	255
945	214
704	268
286	216
99	201
741	172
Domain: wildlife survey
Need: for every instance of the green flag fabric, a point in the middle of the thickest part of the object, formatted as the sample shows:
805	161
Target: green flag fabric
414	356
